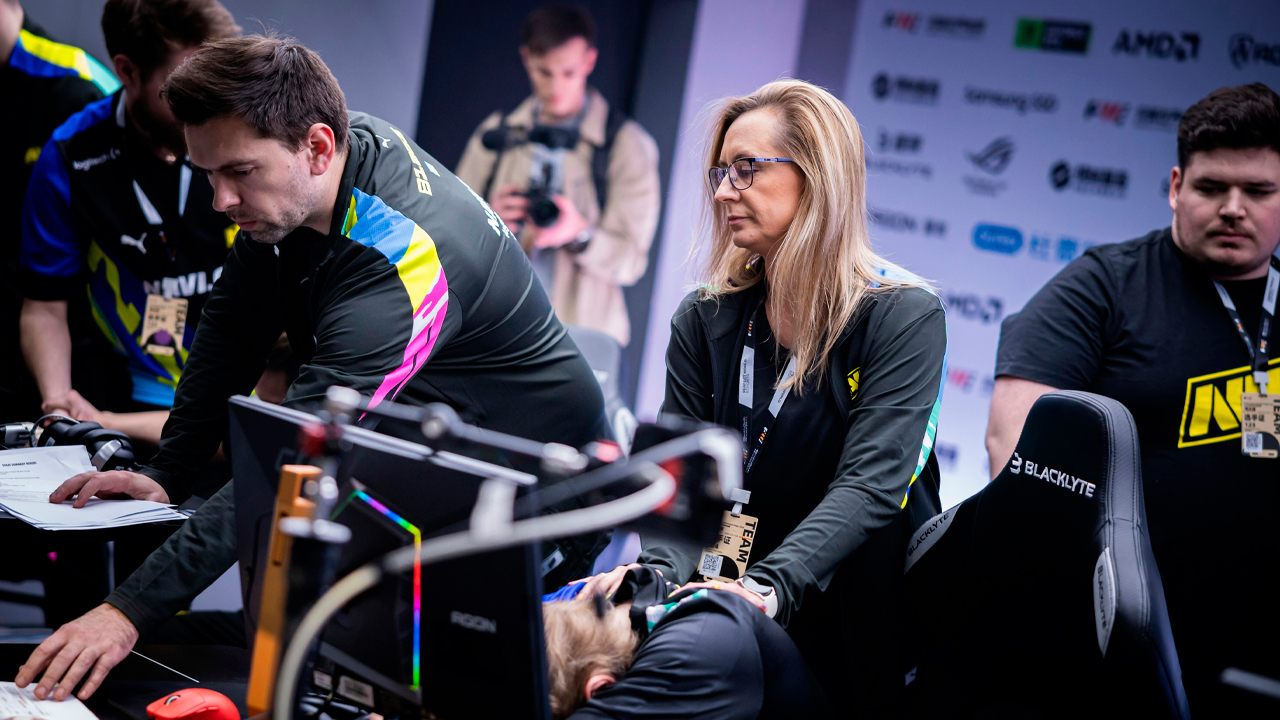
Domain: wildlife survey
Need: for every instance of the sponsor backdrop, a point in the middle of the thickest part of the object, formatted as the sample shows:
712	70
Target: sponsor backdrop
1005	138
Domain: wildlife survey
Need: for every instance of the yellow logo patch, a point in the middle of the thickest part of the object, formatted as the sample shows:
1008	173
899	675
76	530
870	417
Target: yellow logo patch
33	154
1211	409
853	382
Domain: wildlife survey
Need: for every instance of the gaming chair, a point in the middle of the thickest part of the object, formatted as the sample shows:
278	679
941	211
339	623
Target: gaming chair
604	355
1039	596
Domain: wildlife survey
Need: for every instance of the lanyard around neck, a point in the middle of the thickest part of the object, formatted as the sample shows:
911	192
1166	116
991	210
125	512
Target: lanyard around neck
144	203
1259	353
746	396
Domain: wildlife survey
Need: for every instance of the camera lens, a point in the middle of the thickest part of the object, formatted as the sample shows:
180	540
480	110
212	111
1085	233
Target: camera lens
543	211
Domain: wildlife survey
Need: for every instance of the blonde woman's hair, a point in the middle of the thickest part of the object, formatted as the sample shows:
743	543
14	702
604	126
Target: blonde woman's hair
823	268
579	645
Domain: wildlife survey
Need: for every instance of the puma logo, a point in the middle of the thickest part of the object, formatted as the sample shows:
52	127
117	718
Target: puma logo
126	240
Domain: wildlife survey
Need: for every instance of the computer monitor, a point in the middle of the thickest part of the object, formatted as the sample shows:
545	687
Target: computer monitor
459	639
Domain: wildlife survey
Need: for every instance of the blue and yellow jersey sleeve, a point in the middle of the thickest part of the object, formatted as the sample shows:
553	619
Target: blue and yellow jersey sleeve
54	246
407	247
41	57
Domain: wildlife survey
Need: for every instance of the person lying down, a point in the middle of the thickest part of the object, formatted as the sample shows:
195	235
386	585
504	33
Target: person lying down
656	649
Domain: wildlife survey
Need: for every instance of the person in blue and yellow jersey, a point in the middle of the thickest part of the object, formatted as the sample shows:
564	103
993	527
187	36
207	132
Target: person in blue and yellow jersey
112	205
43	82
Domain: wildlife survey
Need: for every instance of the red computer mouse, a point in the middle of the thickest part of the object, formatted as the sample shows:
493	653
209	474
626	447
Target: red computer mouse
193	704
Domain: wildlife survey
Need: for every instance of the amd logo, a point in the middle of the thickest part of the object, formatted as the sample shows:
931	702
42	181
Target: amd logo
1018	466
1162	45
473	622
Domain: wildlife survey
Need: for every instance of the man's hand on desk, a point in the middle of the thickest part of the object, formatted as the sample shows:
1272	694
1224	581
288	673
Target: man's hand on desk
70	404
110	484
96	641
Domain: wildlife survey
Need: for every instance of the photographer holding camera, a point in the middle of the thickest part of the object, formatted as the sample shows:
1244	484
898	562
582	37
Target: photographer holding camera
574	179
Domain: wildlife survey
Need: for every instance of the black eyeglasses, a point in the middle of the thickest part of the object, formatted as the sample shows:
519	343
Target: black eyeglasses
741	172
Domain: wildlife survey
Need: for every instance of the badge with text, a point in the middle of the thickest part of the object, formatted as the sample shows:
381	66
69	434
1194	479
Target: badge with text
727	559
164	324
1260	424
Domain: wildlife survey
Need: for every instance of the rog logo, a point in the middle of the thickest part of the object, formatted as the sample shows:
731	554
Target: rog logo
995	157
126	240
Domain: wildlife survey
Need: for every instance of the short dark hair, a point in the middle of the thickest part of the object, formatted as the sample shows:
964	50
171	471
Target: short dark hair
1245	116
149	31
551	26
274	84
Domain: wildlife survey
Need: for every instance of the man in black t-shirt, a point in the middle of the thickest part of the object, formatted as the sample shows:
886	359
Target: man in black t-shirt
43	82
1148	322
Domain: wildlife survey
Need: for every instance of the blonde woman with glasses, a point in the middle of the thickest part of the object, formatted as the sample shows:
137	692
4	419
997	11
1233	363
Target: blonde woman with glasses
829	361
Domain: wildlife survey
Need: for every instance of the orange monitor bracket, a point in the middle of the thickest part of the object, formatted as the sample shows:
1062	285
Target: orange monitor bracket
270	639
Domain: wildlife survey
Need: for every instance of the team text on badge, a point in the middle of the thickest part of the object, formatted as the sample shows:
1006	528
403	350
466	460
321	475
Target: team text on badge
1260	424
727	559
164	324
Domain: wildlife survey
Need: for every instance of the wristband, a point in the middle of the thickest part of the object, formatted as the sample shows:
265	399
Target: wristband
581	241
768	593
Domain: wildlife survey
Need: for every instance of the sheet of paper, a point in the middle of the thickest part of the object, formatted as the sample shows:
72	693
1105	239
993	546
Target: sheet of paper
30	474
16	702
97	513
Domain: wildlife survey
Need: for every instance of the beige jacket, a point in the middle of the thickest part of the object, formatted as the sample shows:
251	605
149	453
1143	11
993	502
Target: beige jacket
588	285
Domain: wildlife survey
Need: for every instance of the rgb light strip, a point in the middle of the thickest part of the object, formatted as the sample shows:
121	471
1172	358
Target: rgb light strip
417	572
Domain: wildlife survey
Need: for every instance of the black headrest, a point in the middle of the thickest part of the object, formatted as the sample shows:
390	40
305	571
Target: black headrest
1048	596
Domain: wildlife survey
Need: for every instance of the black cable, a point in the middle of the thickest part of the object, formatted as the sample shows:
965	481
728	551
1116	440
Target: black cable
604	476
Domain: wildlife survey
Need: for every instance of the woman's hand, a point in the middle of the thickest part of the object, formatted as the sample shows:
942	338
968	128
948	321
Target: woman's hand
730	587
607	582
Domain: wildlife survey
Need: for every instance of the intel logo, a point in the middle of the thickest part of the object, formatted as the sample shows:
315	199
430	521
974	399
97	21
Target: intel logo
997	238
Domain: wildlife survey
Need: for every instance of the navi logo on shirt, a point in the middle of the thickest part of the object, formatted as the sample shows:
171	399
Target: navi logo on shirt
1211	409
853	382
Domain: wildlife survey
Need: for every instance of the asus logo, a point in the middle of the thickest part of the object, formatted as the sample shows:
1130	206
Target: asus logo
995	157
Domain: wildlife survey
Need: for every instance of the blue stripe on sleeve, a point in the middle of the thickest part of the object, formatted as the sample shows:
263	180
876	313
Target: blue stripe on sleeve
51	243
92	114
